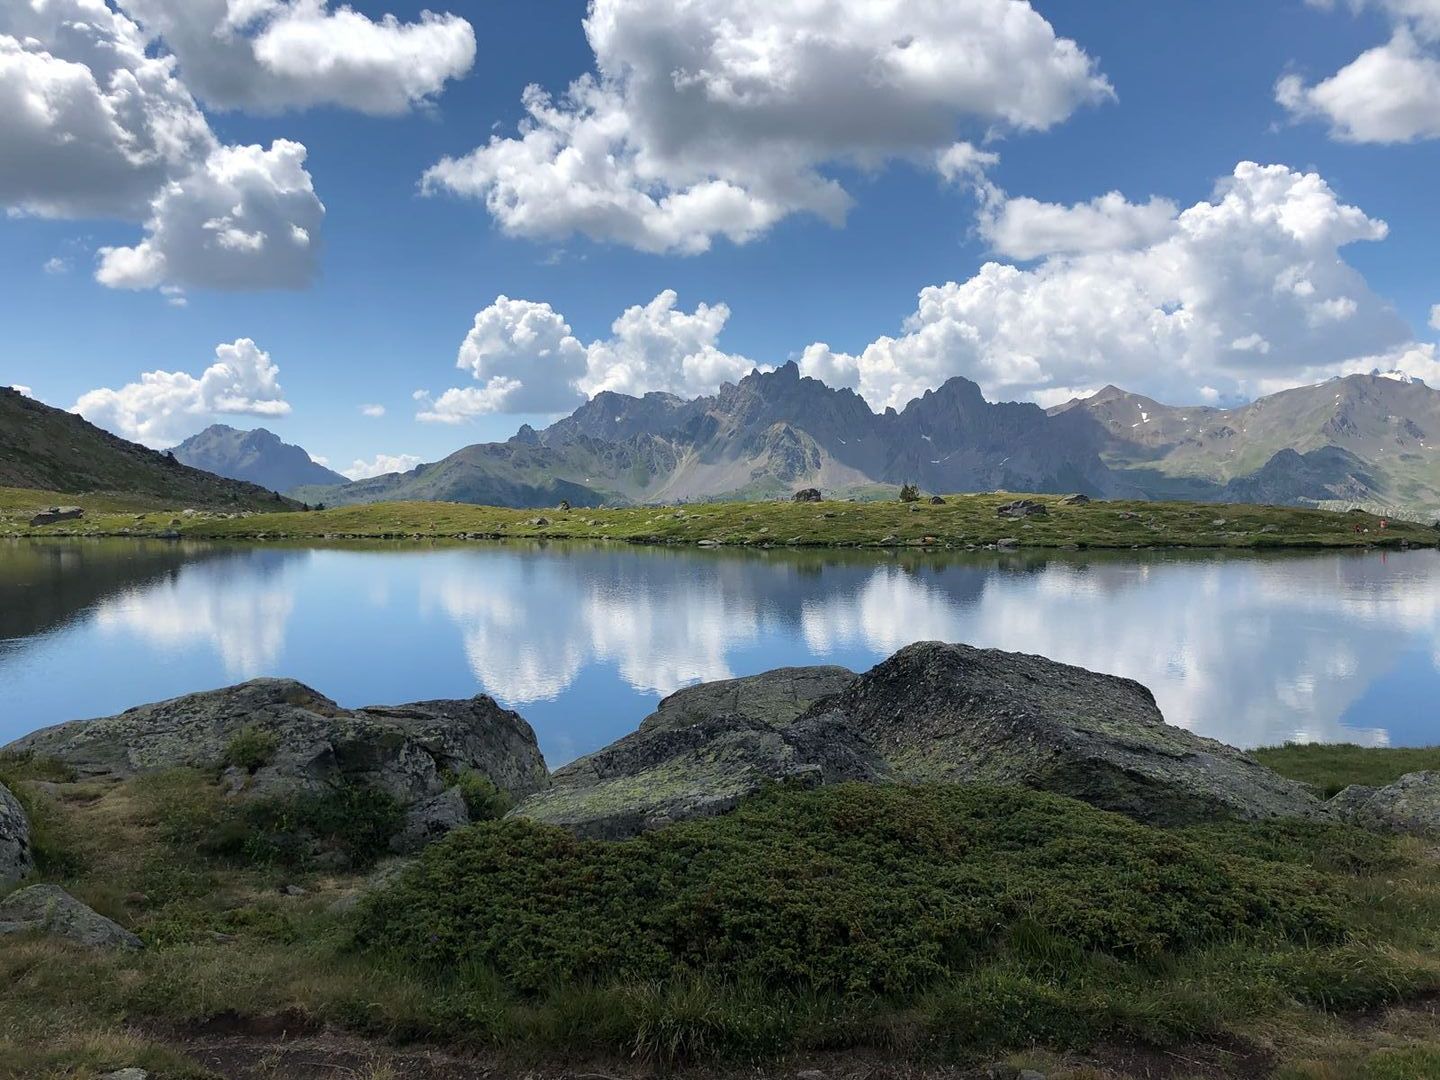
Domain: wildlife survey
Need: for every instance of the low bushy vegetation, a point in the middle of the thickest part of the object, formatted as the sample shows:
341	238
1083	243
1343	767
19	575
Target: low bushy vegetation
483	800
343	827
920	922
857	889
1331	767
250	748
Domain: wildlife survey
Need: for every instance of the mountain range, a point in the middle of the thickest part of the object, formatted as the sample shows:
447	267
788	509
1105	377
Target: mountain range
1362	439
765	436
257	456
54	450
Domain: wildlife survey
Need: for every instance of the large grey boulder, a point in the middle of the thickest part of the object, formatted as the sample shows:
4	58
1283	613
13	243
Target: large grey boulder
50	910
407	750
1410	805
956	714
932	713
16	860
429	820
701	751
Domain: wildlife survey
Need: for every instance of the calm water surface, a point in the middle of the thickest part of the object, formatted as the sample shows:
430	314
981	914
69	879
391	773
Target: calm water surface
584	640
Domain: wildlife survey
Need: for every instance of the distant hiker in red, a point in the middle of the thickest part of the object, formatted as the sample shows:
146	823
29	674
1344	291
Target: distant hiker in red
1384	523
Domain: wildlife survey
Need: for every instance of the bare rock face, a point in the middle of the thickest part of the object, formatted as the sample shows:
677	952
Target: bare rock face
1022	508
406	750
774	698
15	859
429	820
50	910
952	713
705	748
1410	805
932	713
57	513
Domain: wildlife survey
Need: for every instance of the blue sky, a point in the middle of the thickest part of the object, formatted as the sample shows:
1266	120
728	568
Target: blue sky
381	303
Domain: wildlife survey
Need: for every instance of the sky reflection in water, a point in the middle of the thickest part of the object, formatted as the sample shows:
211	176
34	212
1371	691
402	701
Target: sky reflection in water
584	640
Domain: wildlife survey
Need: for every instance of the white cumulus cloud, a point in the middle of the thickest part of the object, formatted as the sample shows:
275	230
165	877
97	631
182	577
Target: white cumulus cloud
248	218
1435	317
380	465
708	118
164	407
90	124
1390	93
270	55
1024	228
526	358
95	122
1243	290
372	411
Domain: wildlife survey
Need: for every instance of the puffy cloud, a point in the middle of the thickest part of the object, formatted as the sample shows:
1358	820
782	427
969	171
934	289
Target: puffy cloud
710	118
380	465
166	406
269	55
1435	317
95	123
90	125
24	390
372	411
656	347
1023	228
525	356
1241	291
528	360
56	265
248	218
1389	93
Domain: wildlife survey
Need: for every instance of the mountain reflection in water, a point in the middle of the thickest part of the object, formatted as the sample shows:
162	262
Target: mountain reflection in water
584	639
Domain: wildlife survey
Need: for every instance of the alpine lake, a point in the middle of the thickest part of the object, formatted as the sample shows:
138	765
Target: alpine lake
584	639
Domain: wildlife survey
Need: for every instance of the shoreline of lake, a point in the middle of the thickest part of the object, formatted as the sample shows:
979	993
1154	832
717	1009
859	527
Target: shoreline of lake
999	521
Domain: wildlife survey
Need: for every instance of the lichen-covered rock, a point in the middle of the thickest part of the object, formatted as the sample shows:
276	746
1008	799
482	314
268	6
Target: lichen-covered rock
429	820
50	910
701	751
952	713
16	860
774	697
406	750
1410	805
651	778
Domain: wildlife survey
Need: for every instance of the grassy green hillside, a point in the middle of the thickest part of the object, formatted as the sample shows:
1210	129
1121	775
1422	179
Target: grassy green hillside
961	521
53	451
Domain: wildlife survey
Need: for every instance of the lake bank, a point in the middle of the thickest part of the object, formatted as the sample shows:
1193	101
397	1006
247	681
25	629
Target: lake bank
969	521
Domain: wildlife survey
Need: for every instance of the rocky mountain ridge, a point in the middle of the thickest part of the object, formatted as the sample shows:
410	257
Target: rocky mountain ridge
258	456
765	436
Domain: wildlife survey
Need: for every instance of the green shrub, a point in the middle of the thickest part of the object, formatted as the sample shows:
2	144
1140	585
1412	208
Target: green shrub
909	493
345	826
250	748
483	799
852	889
